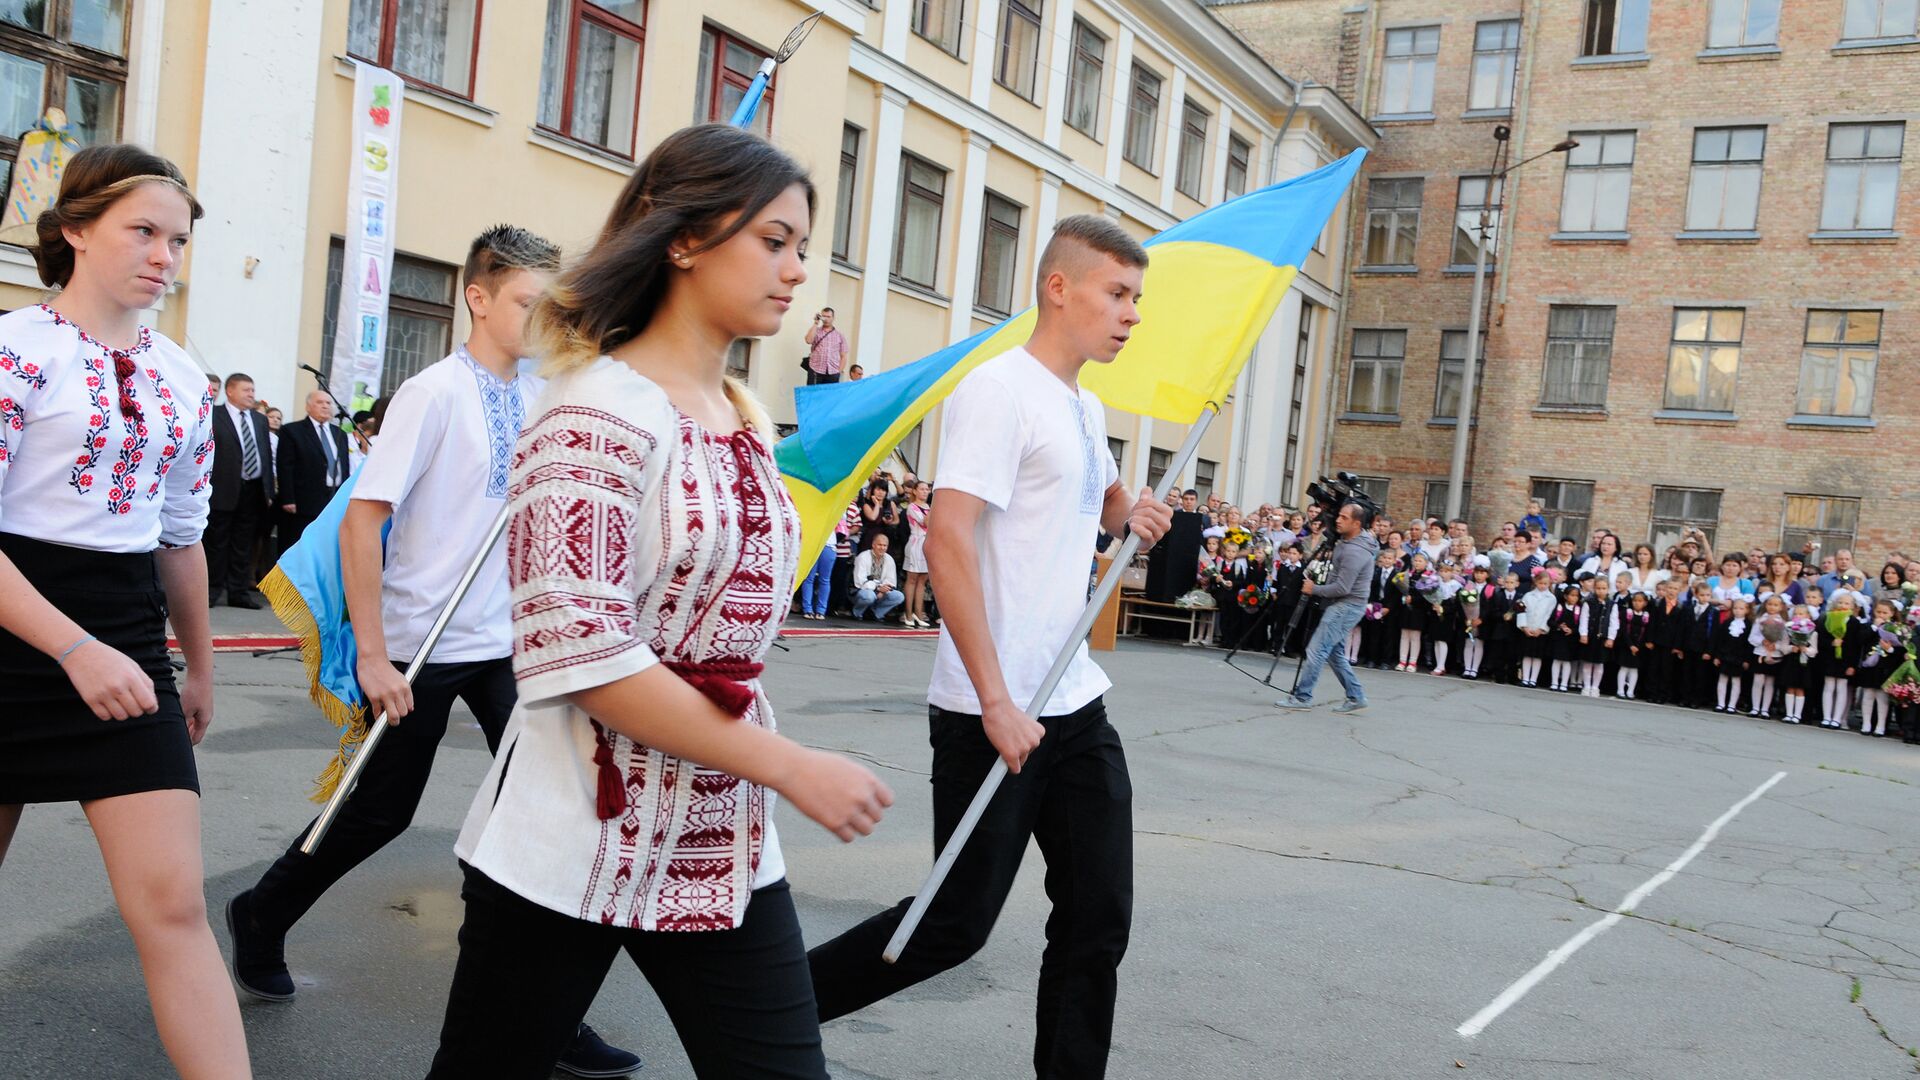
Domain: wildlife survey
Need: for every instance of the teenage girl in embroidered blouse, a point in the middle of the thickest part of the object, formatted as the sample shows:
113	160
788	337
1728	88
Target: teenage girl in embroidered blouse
105	453
653	552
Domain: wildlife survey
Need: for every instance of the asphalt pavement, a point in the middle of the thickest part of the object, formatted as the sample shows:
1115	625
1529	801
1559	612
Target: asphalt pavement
1317	896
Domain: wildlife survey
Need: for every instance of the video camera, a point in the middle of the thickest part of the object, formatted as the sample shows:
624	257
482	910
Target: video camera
1330	493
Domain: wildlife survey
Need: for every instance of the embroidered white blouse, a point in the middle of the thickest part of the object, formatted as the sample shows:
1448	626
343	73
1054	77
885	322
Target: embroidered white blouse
101	449
636	538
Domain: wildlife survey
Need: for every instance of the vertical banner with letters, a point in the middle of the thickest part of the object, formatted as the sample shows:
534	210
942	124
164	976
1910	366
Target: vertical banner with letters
366	266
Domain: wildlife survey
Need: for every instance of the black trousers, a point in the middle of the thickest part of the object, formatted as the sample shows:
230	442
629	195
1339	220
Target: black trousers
814	378
740	999
382	806
1498	663
1075	797
230	538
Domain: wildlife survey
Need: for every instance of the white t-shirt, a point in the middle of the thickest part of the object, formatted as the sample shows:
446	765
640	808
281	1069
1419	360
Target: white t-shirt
1035	451
442	459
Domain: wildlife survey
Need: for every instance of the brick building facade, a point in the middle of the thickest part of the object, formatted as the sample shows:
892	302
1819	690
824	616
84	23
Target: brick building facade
1702	315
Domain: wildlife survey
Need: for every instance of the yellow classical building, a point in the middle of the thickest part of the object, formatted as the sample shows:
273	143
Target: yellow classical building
945	137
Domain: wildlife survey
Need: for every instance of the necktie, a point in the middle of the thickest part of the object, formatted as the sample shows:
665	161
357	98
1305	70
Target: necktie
333	463
249	450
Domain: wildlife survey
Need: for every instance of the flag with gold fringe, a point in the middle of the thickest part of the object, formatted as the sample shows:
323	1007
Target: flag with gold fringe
1211	286
307	593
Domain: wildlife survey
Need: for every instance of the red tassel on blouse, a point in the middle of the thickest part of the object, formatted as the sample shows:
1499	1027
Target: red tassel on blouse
724	682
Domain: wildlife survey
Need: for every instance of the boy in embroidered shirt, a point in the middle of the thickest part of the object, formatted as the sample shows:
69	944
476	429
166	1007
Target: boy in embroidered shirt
1031	486
440	473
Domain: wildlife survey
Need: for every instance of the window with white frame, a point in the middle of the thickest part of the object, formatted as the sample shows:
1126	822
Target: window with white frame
1085	80
1406	72
1872	20
431	42
999	254
844	202
1373	382
1703	359
1566	504
1239	165
1615	28
1863	176
1019	47
1675	510
1579	356
1476	193
916	247
590	72
1496	53
1453	365
1143	117
419	314
1735	24
1831	521
1599	177
1838	363
1191	168
938	21
1723	193
1393	221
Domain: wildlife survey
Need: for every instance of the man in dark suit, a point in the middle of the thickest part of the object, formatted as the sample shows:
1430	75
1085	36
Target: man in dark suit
243	490
313	465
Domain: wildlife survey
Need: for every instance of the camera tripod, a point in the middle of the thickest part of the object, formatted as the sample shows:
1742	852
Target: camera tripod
1293	625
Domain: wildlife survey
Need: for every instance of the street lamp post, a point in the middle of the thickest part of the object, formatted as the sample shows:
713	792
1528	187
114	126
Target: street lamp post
1489	204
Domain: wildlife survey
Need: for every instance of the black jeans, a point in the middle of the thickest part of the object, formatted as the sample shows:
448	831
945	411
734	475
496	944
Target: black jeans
739	998
382	806
1074	796
814	378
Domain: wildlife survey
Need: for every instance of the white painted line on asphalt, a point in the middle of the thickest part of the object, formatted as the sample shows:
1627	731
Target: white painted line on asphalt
1560	955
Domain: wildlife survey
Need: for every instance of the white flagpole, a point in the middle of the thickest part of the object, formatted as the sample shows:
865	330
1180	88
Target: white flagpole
991	784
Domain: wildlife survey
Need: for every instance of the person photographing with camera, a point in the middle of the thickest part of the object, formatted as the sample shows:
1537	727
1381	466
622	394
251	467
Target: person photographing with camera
1343	598
826	348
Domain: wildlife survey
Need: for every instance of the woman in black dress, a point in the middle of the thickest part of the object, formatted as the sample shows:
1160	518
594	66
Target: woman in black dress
105	455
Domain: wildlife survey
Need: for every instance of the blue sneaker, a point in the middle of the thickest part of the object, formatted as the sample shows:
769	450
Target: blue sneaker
1350	706
1291	702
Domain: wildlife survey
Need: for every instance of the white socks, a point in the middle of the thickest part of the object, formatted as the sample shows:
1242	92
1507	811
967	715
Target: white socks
1874	703
1590	679
1409	648
1629	682
1562	673
1834	695
1439	658
1762	695
1796	707
1530	671
1471	653
1729	693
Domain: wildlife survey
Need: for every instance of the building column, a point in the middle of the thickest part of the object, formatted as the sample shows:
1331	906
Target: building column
1143	442
1217	191
1046	216
250	257
982	63
1175	102
1061	60
883	206
966	262
893	30
1122	92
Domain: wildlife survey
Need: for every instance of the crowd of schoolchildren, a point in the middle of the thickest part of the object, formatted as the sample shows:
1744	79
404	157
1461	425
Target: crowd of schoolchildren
1787	635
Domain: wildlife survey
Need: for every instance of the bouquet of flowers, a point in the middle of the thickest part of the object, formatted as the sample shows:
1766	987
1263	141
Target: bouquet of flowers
1887	641
1198	599
1251	598
1913	615
1402	581
1428	586
1238	537
1905	694
1800	635
1470	609
1375	612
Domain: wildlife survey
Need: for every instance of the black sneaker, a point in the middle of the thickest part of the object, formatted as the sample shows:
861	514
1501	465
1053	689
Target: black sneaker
259	958
589	1055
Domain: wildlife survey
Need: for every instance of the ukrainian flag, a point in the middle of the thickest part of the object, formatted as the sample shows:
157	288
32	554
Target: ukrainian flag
1212	284
307	593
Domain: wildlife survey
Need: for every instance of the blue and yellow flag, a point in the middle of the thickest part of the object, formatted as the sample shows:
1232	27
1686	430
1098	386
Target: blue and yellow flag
1212	284
307	593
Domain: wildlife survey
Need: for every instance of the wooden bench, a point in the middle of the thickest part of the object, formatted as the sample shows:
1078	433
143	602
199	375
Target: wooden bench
1199	621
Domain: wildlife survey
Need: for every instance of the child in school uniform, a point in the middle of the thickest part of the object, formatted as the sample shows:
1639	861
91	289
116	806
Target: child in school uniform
1533	621
1564	627
1473	605
1598	625
1796	673
1446	627
1883	654
1377	639
1632	642
1698	668
1842	641
1732	652
1415	613
1667	631
1769	640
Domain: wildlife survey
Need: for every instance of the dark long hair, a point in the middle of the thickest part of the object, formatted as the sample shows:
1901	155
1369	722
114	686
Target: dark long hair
95	178
688	187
